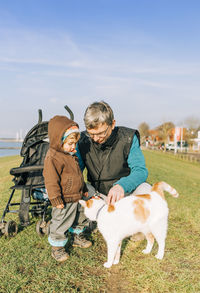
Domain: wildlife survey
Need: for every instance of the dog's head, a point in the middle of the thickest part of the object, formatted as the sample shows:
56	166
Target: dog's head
91	207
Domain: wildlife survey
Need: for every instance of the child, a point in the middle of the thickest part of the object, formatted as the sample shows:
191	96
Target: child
65	186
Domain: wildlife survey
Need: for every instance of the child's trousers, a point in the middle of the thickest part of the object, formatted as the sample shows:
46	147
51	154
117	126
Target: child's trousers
71	218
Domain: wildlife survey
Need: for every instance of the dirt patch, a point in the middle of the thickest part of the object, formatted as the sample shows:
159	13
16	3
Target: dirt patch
116	282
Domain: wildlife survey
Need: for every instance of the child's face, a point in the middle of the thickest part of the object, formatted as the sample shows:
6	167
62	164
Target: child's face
69	146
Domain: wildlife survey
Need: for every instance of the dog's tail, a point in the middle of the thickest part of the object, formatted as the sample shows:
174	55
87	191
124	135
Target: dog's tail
162	186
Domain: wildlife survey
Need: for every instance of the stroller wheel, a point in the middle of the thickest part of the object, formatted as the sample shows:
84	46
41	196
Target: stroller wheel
35	213
10	229
41	227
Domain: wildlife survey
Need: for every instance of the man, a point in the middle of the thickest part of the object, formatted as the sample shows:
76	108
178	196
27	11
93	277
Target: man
112	155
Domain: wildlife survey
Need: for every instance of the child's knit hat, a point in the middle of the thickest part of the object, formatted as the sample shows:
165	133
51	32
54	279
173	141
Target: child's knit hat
70	130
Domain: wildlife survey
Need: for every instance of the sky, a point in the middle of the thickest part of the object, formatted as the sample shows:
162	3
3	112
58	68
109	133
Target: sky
140	56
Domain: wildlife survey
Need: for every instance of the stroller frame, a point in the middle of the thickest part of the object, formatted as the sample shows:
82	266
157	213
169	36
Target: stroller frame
28	178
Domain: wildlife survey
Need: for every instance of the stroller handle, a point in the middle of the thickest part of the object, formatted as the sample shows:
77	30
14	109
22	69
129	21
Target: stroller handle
70	112
40	116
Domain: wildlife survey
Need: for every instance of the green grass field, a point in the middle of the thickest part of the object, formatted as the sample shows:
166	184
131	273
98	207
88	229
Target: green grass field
26	264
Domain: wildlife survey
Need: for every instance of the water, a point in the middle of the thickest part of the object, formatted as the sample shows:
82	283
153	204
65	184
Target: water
5	148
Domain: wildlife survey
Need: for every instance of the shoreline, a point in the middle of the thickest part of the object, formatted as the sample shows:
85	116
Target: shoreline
10	148
10	140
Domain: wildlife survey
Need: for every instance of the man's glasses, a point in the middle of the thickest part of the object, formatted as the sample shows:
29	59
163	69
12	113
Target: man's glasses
100	134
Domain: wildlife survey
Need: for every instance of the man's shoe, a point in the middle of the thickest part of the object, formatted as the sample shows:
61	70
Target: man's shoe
80	241
59	254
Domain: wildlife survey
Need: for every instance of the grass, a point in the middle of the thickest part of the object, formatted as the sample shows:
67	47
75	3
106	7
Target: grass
26	264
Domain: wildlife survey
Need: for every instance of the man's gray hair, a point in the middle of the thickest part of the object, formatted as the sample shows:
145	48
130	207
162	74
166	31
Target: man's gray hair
97	113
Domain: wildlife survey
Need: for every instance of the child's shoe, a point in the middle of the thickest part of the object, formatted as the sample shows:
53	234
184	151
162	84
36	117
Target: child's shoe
59	254
81	241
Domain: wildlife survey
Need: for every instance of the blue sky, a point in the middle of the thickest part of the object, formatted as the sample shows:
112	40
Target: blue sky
142	57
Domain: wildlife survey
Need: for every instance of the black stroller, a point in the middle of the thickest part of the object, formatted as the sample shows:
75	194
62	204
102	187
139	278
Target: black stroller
29	179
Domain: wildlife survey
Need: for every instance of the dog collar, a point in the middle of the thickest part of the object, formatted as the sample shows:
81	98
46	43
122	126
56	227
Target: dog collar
99	210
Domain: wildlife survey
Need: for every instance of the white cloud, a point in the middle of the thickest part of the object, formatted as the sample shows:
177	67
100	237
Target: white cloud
49	69
39	48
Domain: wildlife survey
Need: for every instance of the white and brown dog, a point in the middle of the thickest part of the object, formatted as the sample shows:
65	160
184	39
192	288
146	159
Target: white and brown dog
146	213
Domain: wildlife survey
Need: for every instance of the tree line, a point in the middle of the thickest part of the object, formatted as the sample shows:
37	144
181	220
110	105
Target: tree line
165	132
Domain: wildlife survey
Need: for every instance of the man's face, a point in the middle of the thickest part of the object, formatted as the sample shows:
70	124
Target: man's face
101	133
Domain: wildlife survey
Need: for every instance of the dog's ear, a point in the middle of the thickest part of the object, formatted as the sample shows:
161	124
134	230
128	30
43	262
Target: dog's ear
82	202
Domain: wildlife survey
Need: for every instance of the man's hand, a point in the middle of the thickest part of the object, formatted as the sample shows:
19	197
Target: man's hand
60	206
115	193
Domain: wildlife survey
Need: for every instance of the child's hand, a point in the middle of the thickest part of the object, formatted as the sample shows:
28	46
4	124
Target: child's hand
85	194
60	206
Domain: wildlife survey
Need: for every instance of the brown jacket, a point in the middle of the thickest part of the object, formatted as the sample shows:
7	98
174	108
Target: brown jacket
63	178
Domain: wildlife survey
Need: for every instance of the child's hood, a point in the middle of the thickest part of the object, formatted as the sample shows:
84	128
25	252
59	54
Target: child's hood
56	128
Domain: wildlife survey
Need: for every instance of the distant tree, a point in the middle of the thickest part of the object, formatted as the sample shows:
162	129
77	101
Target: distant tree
165	131
192	125
192	122
144	131
198	129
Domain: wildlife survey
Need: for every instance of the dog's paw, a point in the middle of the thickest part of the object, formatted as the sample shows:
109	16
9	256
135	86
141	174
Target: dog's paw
115	262
159	256
107	265
146	251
